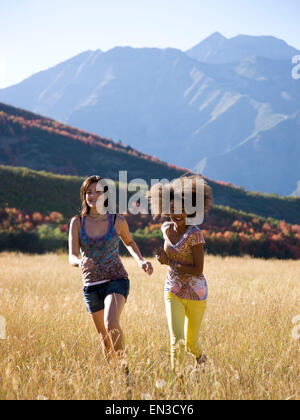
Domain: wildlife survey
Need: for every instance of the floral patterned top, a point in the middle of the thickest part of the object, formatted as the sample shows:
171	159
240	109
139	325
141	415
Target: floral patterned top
186	286
104	250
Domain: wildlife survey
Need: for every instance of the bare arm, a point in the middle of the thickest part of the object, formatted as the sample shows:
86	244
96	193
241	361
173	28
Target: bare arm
198	261
124	234
74	245
198	258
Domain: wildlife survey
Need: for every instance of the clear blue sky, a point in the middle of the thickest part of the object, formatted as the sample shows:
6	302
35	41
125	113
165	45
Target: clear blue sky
37	34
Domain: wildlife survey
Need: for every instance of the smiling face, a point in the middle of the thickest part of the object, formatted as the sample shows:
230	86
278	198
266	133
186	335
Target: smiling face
92	195
178	218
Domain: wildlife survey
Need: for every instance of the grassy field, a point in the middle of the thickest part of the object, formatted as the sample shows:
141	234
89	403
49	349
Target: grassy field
52	351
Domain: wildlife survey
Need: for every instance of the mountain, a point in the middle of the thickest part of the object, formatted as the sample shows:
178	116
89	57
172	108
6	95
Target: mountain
217	49
49	86
274	155
183	111
32	141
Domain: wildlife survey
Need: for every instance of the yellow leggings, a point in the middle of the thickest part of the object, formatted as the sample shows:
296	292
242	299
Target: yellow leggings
184	318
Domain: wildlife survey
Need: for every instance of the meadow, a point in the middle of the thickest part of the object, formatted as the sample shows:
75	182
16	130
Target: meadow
51	349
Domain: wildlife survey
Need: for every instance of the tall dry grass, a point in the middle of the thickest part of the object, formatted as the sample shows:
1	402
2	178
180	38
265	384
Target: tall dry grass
52	351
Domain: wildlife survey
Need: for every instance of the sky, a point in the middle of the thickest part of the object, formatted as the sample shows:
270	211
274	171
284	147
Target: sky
38	34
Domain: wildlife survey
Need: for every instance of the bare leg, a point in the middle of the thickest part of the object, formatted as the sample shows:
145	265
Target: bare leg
98	318
114	305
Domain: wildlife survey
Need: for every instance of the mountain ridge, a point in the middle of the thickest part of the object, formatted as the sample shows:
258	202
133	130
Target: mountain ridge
32	141
162	101
217	49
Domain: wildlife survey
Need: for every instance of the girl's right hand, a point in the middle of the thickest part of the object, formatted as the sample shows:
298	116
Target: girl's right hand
146	266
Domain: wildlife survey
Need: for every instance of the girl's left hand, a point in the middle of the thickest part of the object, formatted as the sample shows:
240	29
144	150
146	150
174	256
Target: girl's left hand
162	257
147	267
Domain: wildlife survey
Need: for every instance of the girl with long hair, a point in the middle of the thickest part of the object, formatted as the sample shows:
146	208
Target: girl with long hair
105	281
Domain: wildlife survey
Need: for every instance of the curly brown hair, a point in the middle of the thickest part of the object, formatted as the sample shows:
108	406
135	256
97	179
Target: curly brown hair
178	189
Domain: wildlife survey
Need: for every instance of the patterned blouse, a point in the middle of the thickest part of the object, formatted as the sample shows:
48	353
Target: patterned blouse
185	286
104	250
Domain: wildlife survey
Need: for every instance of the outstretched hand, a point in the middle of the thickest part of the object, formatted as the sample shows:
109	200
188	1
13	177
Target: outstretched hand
147	267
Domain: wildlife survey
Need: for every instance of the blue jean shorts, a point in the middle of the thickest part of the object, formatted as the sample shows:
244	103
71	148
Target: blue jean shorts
95	296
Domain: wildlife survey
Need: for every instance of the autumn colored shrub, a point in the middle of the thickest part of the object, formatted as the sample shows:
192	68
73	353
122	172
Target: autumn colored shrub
247	235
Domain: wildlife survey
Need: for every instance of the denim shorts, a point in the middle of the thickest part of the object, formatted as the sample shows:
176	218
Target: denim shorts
94	296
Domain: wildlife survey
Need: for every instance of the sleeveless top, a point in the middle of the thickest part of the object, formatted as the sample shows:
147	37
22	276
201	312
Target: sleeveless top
185	286
104	250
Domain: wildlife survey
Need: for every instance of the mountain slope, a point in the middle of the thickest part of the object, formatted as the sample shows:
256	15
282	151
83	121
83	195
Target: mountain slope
274	155
41	92
27	138
177	108
30	190
39	143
